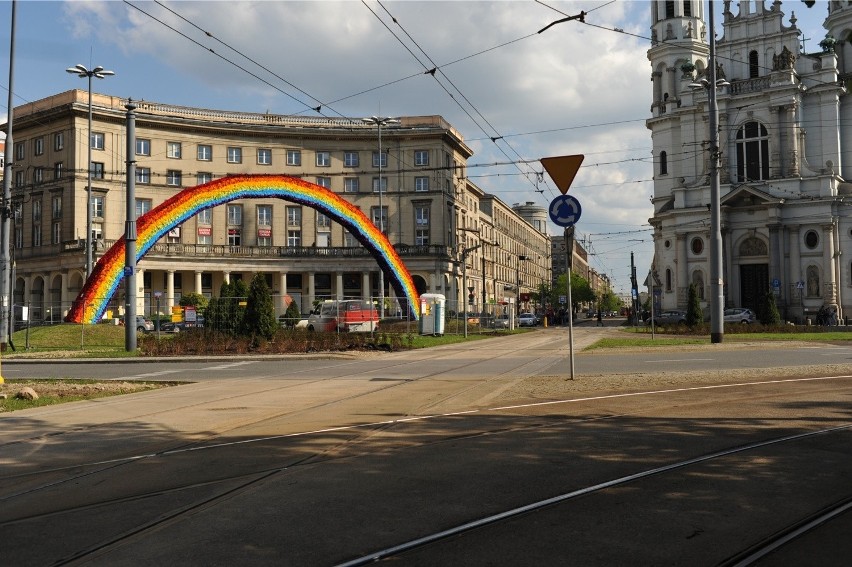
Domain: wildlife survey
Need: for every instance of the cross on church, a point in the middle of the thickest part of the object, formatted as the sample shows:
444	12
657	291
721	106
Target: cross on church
804	39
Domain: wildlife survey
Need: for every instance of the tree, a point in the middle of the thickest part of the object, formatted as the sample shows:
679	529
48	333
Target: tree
694	316
609	302
259	314
193	299
767	311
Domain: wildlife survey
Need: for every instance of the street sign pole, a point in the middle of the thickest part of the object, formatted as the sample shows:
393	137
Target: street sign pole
569	252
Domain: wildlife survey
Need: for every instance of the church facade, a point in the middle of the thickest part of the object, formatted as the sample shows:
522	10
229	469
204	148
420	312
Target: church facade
785	142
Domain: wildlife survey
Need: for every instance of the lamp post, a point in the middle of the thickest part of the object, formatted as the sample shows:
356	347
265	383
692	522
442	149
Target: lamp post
379	122
100	73
716	284
521	258
464	279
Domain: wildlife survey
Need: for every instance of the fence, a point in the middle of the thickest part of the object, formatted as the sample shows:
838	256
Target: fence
31	322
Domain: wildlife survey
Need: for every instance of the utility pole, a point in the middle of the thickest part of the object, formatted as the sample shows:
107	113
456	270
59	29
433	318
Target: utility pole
6	208
634	292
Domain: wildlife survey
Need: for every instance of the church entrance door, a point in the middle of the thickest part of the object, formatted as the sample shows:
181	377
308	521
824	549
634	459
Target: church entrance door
754	282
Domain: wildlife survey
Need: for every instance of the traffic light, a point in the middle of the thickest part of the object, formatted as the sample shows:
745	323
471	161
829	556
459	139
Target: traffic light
470	298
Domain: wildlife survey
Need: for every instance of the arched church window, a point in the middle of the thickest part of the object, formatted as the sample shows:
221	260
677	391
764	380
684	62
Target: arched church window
753	65
664	166
668	279
752	152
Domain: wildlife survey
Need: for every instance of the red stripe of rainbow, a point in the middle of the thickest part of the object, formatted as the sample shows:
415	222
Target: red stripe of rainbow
92	300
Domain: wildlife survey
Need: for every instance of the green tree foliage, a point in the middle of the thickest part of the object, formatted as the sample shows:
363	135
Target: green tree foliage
259	314
767	311
194	300
694	316
609	302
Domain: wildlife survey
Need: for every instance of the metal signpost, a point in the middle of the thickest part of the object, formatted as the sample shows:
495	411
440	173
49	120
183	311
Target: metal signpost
565	211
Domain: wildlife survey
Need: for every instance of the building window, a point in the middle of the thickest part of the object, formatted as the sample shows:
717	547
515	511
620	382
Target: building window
379	215
421	157
205	216
697	246
57	170
56	207
98	206
380	159
324	182
38	175
143	175
173	150
235	155
421	183
752	152
36	234
205	152
323	159
142	207
97	140
173	235
323	222
376	184
56	233
20	179
421	225
97	170
235	236
350	159
294	216
264	156
19	238
97	231
59	141
203	236
203	177
687	8
350	185
235	215
350	241
36	210
264	215
294	238
668	279
20	152
664	163
173	177
294	157
38	146
811	239
143	147
670	9
753	65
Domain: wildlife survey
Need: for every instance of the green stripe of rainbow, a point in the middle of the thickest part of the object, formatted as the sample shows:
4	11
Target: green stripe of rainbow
92	300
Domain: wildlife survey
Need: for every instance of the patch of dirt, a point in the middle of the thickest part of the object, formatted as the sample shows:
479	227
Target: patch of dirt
65	389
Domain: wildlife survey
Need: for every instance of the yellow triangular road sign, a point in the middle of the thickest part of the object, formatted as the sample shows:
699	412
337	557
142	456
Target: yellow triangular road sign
562	169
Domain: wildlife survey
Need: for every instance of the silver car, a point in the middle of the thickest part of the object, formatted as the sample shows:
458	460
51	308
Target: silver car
739	315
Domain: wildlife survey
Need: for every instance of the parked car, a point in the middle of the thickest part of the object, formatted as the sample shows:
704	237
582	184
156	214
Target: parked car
500	322
671	317
143	325
739	315
527	320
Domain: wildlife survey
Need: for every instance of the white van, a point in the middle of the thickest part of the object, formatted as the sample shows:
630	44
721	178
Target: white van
348	315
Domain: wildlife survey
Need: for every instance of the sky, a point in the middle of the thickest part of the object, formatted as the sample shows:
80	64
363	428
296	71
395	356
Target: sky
515	95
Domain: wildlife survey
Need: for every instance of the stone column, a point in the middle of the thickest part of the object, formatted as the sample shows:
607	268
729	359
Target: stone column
198	282
170	290
338	284
311	291
226	277
282	283
777	145
796	275
830	274
365	286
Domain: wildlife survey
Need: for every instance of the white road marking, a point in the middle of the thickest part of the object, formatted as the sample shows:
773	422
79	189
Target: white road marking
230	365
682	360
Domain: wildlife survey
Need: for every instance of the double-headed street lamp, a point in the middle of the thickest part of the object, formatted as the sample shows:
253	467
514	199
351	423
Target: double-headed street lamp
379	122
100	73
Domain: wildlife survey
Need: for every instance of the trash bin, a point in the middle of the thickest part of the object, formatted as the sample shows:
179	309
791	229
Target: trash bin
432	314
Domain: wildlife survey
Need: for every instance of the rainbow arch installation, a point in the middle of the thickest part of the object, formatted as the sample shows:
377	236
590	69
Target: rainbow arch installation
101	285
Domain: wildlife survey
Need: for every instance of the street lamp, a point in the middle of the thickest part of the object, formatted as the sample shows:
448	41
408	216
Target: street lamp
716	285
379	122
100	73
464	255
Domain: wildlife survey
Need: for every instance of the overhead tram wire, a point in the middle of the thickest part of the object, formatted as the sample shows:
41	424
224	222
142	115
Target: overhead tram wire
318	110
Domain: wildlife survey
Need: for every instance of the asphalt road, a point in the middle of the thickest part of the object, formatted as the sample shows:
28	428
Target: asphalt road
326	462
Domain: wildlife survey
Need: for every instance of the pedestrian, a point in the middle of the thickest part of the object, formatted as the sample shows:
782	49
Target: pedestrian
600	318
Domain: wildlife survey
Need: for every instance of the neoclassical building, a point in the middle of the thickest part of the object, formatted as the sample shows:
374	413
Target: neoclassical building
416	188
785	141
